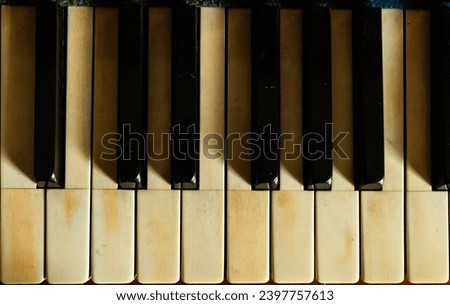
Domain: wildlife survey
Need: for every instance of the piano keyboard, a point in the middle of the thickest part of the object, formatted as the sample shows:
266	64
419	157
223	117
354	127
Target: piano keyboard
160	142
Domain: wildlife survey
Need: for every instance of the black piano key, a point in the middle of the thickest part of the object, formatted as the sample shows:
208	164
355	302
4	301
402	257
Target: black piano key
265	28
50	94
133	40
440	97
317	114
185	97
368	99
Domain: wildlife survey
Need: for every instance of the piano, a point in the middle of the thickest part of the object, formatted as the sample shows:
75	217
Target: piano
277	141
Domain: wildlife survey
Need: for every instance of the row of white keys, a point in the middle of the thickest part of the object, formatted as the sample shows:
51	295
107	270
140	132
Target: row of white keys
113	210
427	252
337	211
158	207
382	227
292	230
247	210
22	205
202	223
68	209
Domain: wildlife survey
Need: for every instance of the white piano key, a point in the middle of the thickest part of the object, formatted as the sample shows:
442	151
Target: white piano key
292	227
337	237
78	99
159	95
202	236
427	253
22	240
393	85
104	167
247	210
248	236
203	210
239	97
159	213
337	211
17	97
158	236
382	236
112	252
67	228
342	92
417	67
21	205
113	210
68	210
292	236
427	237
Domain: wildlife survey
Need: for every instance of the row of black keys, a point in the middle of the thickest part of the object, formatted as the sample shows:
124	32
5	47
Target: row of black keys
132	89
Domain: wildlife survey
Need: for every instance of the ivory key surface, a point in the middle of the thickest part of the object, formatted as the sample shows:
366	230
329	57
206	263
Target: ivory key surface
337	237
427	237
22	239
113	235
67	228
248	236
292	236
337	211
382	234
113	210
202	236
21	204
159	210
203	210
382	237
158	236
247	211
427	253
292	208
68	210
